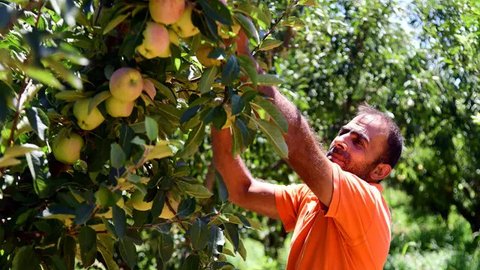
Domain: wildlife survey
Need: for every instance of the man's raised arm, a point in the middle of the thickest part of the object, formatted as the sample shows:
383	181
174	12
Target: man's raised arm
243	189
305	155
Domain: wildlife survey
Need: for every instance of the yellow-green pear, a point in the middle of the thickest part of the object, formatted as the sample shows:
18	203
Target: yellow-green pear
86	120
118	108
184	26
156	41
67	146
166	11
126	84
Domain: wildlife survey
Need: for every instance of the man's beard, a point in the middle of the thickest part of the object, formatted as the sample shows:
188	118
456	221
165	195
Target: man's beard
344	160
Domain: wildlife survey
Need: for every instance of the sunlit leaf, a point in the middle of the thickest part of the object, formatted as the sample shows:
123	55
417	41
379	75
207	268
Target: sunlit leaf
114	23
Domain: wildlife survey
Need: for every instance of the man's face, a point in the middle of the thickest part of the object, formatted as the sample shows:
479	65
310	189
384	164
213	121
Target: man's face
359	145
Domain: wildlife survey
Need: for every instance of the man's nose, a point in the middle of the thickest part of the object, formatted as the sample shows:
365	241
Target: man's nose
339	142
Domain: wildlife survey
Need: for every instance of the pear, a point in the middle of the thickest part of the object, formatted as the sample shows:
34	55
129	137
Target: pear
67	146
87	120
118	108
166	11
126	84
184	26
156	41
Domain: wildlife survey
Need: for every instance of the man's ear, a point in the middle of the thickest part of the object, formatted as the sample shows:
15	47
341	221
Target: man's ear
381	171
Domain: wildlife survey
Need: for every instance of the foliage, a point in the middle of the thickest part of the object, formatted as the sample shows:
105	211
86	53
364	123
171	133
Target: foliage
417	61
72	68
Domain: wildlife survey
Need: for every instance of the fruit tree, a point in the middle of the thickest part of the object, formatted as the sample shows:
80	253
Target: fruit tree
105	111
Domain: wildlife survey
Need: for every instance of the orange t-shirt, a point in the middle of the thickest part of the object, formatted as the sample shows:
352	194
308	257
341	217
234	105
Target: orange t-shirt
353	233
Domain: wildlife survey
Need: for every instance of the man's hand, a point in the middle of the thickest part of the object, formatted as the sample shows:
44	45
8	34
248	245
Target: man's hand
305	155
243	189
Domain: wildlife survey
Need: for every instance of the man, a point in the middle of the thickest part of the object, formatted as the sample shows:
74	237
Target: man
338	216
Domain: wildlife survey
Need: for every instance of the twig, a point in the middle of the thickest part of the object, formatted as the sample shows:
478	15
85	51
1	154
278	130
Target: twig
275	24
11	140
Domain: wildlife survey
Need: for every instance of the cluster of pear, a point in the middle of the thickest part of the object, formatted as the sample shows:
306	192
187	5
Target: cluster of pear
126	85
136	201
171	19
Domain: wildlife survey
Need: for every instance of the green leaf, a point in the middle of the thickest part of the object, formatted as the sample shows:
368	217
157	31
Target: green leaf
232	235
119	221
220	265
57	262
169	111
249	67
87	239
248	26
237	104
269	44
165	246
195	190
269	79
44	76
216	240
8	162
38	121
241	250
38	164
216	10
165	91
6	12
83	213
190	113
105	246
199	234
64	73
221	188
230	71
97	99
115	22
237	144
151	126
70	96
104	197
126	137
195	138
69	249
18	151
25	258
207	79
159	151
274	135
186	208
192	262
274	112
128	252
117	156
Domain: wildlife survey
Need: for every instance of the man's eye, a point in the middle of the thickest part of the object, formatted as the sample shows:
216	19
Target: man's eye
357	141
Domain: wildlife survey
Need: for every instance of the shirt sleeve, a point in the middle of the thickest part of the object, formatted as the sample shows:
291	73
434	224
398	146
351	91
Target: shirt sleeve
288	200
355	205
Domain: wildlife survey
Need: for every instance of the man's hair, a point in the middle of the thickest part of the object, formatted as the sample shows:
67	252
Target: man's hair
393	151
